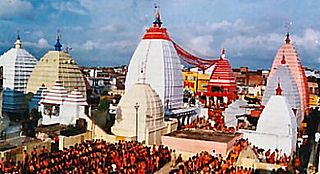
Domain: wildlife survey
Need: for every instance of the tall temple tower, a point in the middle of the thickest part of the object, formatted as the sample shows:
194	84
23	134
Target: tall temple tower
17	66
157	61
292	60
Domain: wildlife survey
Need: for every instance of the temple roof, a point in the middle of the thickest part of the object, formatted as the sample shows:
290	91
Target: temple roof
156	31
40	94
277	117
56	65
56	95
149	109
18	64
222	74
289	87
75	97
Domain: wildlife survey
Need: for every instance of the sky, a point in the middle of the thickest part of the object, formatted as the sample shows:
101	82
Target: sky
106	32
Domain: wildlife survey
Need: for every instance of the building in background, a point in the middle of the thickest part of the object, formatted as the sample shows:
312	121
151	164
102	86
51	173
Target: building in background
313	78
251	83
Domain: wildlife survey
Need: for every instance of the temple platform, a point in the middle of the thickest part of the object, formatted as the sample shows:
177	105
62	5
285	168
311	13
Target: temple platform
196	140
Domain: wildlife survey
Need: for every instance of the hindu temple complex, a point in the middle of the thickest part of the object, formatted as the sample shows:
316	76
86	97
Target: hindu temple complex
18	65
170	112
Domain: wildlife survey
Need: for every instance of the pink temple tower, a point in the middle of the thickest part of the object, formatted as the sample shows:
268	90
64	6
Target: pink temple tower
292	59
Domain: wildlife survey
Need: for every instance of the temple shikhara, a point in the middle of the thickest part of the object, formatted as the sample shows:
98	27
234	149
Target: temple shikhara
168	111
56	65
288	51
156	56
18	65
222	86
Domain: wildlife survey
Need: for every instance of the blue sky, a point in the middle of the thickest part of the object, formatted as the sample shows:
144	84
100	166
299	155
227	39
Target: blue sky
106	32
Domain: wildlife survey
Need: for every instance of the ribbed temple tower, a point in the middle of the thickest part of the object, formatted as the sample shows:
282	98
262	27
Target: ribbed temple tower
292	60
158	61
57	65
289	87
17	66
222	84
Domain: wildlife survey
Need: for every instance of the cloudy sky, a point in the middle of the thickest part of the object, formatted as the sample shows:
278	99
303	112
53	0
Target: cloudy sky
106	32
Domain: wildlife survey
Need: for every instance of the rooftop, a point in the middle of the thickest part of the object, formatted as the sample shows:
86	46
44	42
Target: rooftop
205	135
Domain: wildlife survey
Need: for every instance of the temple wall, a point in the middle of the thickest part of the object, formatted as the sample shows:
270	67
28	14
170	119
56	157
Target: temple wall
172	126
195	146
65	142
270	141
98	132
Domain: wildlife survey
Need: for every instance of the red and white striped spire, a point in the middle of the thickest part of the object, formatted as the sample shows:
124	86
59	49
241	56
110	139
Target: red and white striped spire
56	95
222	75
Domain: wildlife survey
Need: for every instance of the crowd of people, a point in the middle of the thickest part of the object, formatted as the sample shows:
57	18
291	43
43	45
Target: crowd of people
266	156
210	124
205	162
96	156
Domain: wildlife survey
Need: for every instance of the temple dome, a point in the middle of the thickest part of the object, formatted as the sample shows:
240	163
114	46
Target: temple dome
56	95
277	117
76	98
56	65
150	114
292	59
289	87
17	66
277	126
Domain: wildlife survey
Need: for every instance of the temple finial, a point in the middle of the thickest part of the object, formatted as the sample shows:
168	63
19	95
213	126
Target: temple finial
279	90
157	22
288	27
288	38
283	61
58	45
223	53
18	41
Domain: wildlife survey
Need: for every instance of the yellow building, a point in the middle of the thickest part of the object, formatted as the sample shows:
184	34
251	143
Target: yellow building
190	81
313	101
203	80
53	66
195	82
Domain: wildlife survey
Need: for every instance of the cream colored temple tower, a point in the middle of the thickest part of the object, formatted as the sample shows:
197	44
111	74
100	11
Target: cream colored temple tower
56	65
